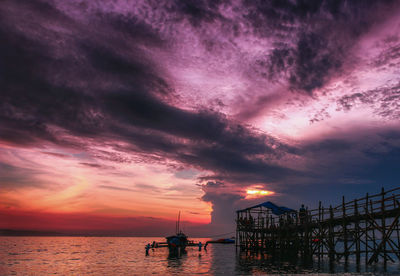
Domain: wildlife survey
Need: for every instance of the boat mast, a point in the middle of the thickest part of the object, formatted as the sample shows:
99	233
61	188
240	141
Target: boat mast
179	218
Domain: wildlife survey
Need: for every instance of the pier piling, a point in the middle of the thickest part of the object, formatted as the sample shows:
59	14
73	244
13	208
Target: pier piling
366	227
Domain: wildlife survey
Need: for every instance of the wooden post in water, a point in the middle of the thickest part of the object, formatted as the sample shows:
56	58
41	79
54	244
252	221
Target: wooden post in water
383	224
396	206
366	223
262	230
344	228
371	204
357	234
257	229
331	243
237	230
306	237
323	233
319	238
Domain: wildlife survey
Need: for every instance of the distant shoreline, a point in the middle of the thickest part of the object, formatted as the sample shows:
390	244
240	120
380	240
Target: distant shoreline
36	233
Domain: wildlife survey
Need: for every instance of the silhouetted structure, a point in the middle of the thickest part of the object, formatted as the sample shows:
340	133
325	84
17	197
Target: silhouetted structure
365	229
178	242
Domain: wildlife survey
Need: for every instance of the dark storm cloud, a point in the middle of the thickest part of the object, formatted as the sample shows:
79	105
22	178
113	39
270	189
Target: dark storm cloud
309	63
214	142
330	145
28	101
314	62
113	94
369	157
239	166
103	87
313	38
196	12
133	28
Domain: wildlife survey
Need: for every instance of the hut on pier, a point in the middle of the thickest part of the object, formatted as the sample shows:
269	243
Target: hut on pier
257	225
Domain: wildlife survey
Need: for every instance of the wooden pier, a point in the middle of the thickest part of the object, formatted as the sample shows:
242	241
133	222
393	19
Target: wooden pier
365	229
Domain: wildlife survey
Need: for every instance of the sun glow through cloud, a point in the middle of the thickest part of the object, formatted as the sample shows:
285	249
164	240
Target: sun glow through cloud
259	193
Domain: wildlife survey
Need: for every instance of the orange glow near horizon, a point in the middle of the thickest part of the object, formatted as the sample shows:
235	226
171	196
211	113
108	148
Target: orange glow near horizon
257	193
75	222
68	184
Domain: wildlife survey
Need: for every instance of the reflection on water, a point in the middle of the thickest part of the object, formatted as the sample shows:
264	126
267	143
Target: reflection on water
126	256
262	263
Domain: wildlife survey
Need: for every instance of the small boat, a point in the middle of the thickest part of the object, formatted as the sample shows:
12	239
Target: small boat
178	242
222	241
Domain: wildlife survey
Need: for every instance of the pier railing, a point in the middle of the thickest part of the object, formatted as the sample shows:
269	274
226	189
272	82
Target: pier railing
366	227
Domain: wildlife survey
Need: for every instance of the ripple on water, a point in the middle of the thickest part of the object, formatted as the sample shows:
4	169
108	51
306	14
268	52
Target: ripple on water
125	256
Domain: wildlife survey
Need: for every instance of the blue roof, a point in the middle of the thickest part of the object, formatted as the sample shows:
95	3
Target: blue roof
276	210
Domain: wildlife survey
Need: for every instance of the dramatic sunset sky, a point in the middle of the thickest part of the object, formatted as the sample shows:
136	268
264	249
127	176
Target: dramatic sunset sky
115	115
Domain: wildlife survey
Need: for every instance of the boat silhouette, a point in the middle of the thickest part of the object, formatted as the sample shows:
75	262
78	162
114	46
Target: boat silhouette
177	243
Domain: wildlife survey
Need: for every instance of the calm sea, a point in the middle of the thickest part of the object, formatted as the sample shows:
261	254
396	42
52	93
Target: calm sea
126	256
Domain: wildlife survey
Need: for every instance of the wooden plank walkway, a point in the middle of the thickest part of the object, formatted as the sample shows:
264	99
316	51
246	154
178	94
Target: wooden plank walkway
365	228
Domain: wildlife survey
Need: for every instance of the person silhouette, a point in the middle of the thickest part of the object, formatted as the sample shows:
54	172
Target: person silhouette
147	249
302	214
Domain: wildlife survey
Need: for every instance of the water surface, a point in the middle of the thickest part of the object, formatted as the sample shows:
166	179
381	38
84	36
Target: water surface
126	256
